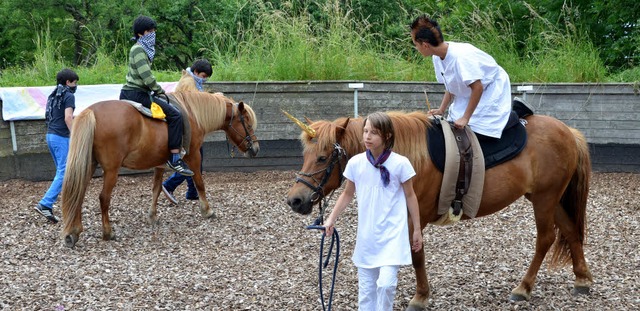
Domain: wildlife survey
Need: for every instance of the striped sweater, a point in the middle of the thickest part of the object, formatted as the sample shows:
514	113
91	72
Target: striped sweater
139	76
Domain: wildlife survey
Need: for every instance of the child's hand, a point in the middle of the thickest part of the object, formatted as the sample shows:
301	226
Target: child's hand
416	240
328	227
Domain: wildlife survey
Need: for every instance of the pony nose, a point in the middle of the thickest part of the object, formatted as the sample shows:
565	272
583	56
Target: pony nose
255	148
294	203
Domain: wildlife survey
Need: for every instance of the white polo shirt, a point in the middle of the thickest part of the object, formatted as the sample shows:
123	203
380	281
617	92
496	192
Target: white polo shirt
464	64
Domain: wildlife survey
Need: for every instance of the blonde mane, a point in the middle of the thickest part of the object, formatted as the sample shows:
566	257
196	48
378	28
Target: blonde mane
405	126
209	110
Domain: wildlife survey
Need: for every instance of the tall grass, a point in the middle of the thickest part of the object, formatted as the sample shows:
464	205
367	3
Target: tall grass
286	46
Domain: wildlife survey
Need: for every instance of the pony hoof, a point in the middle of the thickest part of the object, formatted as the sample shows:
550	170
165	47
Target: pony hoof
518	297
580	290
209	215
108	236
414	308
70	241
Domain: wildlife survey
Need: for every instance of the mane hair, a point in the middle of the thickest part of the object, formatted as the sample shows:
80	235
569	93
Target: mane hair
411	136
209	110
410	141
186	83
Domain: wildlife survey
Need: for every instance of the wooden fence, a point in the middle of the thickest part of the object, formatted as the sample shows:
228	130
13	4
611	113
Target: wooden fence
608	115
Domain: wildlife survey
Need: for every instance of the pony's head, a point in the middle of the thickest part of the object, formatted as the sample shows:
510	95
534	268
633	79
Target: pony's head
326	148
240	124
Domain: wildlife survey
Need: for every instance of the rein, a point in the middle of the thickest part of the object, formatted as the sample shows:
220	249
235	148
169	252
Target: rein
318	196
335	238
247	136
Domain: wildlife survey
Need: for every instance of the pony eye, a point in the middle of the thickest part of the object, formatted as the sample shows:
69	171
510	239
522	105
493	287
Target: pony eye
322	159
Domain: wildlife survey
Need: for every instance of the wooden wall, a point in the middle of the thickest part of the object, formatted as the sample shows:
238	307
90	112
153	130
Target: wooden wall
608	115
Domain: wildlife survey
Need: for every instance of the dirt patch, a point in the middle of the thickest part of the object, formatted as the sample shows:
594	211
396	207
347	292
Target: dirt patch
257	255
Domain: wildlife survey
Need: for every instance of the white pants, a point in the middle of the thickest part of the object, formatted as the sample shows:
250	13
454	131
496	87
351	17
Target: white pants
377	288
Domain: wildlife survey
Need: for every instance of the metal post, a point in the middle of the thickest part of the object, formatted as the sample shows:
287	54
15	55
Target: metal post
13	137
355	87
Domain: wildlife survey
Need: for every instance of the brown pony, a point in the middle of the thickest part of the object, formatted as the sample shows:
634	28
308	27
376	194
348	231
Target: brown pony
114	134
552	172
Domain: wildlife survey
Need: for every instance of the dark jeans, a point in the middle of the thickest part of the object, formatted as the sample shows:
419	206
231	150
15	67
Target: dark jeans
174	120
176	179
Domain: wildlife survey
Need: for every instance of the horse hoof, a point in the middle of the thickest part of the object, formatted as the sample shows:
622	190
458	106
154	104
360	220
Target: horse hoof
414	308
108	236
70	241
517	297
580	290
209	215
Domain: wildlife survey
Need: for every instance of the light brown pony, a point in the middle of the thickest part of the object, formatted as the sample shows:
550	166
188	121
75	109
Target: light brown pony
552	172
114	134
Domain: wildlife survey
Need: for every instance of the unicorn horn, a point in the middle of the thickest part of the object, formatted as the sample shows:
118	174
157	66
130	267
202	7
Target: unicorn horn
304	127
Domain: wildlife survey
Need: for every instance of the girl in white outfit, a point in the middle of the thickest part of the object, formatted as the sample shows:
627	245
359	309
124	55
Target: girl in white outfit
477	88
383	182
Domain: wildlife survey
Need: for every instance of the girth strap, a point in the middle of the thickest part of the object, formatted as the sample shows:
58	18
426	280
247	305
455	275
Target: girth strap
465	168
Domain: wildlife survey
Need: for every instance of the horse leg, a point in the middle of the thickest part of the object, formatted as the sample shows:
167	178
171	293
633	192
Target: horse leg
543	213
205	210
109	181
421	298
584	278
157	186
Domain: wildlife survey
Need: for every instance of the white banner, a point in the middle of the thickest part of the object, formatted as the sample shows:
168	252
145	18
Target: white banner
29	103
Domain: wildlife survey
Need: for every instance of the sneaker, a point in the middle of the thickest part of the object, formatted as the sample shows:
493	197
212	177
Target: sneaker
169	195
180	167
46	212
192	197
521	107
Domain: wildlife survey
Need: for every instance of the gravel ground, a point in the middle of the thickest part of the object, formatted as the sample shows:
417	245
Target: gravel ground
257	255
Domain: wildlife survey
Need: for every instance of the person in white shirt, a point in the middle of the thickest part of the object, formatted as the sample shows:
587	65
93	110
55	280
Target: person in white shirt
383	181
477	88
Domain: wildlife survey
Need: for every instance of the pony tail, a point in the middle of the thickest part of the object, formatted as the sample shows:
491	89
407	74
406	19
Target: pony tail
574	202
79	170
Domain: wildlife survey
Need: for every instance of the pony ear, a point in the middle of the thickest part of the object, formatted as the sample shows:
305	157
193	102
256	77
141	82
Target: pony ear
342	129
241	106
308	120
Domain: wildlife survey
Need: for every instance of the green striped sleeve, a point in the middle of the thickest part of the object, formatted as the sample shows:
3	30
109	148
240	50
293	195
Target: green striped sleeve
140	75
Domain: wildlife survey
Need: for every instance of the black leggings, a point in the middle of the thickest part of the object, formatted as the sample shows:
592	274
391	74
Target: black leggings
174	120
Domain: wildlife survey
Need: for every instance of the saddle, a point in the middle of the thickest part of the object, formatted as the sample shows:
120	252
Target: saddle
186	133
463	159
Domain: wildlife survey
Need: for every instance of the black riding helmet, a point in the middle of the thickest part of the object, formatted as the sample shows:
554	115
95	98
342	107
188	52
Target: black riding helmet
142	24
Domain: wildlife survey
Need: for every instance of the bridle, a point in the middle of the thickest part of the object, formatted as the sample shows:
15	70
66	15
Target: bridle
247	137
337	155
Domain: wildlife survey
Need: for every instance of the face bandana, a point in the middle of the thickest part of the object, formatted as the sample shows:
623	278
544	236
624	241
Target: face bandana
199	81
384	172
148	43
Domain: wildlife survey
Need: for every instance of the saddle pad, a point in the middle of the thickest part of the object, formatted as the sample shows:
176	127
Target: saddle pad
470	200
143	110
495	152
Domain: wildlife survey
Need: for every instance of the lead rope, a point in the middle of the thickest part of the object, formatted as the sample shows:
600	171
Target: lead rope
335	238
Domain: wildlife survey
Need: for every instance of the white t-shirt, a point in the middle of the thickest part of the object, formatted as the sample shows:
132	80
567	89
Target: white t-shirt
383	230
464	64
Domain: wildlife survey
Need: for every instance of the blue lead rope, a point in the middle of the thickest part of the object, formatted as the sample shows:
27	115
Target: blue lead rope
335	238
